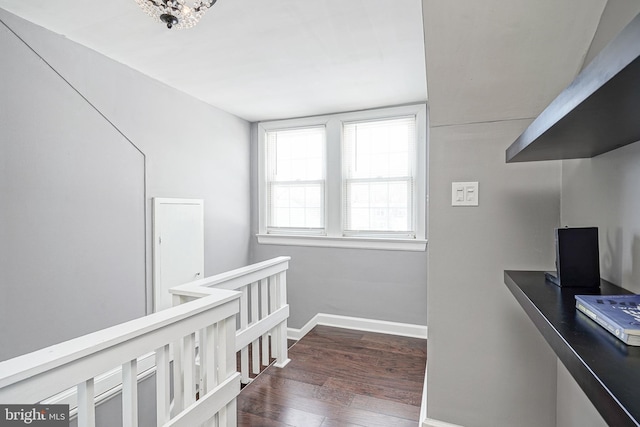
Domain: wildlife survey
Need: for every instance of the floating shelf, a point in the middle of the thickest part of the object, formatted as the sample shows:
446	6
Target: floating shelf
607	370
597	113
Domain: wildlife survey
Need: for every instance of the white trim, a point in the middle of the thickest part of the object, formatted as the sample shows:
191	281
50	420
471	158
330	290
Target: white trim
424	420
359	324
428	422
415	245
423	405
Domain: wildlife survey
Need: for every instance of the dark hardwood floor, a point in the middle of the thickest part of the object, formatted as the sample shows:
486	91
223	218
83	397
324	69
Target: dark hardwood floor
340	378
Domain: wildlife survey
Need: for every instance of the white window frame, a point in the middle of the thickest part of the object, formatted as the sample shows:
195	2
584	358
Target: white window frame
334	235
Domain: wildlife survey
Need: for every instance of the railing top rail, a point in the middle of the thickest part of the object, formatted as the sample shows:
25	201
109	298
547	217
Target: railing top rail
28	365
196	287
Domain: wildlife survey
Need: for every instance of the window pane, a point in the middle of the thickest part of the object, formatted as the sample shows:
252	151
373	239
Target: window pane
398	196
296	206
378	206
360	218
296	154
359	195
380	149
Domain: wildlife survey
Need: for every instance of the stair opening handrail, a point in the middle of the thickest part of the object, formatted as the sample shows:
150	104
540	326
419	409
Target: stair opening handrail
211	320
262	323
36	376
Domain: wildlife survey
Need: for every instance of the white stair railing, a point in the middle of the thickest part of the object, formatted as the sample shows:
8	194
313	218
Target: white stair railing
200	335
264	311
37	376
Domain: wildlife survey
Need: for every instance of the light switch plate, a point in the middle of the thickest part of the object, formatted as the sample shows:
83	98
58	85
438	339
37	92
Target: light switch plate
464	194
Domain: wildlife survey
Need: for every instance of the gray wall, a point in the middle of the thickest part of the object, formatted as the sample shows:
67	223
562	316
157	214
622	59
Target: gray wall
75	241
488	364
574	407
372	284
601	192
72	211
616	15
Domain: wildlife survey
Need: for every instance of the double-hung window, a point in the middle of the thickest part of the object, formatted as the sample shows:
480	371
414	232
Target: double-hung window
345	180
379	159
295	180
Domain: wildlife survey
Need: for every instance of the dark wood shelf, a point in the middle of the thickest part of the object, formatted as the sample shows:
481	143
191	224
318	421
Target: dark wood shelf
605	368
597	113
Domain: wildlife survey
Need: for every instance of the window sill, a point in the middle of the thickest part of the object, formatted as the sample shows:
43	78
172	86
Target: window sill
414	245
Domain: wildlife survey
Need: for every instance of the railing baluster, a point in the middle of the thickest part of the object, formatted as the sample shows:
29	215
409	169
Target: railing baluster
255	345
130	394
264	312
188	361
230	338
210	365
273	301
162	385
86	405
227	333
202	355
282	357
244	322
177	371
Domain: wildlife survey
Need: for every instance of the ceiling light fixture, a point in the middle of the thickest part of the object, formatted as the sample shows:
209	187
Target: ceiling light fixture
175	13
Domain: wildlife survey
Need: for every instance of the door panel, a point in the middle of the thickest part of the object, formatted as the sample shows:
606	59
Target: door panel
178	255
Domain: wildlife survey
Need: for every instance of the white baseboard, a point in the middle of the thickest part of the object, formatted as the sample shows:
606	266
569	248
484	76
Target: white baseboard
359	324
423	406
424	420
435	423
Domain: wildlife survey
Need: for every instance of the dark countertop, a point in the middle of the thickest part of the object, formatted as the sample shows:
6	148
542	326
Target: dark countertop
605	368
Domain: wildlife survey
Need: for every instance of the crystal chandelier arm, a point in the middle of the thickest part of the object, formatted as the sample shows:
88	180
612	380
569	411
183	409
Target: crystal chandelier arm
204	5
176	13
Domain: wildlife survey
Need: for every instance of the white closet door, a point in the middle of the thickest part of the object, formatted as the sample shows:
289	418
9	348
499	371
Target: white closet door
178	245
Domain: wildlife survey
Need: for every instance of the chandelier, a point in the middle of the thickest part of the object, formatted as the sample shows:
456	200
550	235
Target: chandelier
175	13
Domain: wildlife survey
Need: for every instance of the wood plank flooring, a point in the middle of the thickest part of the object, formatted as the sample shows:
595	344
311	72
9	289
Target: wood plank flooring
340	378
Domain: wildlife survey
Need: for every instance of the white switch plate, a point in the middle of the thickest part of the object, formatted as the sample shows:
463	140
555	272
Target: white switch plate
464	194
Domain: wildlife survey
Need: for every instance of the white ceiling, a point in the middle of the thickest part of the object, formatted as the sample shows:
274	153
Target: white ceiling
260	59
485	60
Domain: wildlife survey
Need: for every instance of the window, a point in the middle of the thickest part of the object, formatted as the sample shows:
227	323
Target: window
345	180
378	177
295	180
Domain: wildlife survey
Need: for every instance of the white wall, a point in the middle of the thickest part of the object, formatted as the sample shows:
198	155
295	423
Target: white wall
372	284
488	364
190	150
